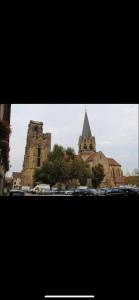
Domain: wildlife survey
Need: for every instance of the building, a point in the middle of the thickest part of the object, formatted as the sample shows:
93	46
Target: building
38	146
8	185
5	113
16	176
87	151
132	180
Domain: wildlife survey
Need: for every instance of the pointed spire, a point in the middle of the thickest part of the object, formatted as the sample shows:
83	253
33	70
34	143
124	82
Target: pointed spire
86	127
85	108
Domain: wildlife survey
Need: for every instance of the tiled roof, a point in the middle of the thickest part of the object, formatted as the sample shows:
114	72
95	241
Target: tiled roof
87	153
91	157
77	157
113	162
16	175
120	179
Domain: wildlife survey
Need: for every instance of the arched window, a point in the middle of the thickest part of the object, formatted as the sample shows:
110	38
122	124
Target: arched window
91	147
113	174
118	174
85	146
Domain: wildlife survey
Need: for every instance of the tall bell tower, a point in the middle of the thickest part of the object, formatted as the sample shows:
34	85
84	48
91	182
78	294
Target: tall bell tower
86	140
37	148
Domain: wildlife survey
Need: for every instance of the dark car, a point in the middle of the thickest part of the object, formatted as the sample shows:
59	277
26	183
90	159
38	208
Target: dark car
130	191
93	192
79	192
115	192
16	193
102	191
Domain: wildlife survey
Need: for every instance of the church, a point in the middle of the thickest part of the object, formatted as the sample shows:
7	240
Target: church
87	151
39	145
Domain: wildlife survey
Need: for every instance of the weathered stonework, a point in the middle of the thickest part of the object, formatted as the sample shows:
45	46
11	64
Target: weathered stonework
86	140
87	151
37	148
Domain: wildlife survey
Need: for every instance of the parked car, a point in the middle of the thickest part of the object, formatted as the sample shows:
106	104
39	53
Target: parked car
25	188
81	192
44	192
115	192
130	191
16	193
68	192
102	192
39	188
93	192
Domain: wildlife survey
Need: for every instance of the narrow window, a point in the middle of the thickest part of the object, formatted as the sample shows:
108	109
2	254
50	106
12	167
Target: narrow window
39	157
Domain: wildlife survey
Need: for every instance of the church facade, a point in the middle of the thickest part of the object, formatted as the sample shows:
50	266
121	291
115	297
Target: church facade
38	146
87	151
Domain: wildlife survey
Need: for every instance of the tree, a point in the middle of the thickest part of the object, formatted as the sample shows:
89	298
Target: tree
61	167
135	172
57	153
70	153
80	170
97	175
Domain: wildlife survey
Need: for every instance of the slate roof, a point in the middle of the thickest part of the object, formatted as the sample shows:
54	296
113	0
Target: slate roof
86	127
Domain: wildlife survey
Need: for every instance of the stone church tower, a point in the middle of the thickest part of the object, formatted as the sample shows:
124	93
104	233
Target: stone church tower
86	140
37	147
87	151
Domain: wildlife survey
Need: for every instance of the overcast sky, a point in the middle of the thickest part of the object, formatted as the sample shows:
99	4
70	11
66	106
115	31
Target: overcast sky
115	127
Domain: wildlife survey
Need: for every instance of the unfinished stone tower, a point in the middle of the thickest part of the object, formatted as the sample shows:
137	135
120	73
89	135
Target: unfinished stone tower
37	148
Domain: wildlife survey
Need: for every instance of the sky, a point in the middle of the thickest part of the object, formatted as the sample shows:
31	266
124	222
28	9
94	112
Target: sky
115	127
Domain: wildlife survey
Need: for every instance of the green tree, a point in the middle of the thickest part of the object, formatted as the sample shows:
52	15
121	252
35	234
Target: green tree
80	170
61	167
97	175
57	153
70	153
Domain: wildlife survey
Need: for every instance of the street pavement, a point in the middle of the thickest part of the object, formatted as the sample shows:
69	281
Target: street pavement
57	195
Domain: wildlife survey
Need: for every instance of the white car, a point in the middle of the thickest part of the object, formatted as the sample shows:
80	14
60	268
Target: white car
26	188
68	192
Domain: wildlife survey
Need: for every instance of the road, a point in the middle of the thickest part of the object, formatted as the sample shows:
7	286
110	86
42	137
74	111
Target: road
57	195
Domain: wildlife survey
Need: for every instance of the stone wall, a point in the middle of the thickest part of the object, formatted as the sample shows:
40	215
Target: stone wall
37	148
111	172
87	144
100	158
